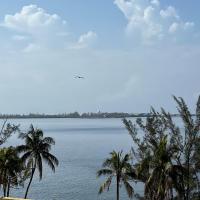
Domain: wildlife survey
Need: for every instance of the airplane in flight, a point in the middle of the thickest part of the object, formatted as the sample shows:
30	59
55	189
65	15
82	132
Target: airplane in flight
81	77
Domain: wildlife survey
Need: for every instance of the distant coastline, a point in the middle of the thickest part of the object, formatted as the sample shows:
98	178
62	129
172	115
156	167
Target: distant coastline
98	115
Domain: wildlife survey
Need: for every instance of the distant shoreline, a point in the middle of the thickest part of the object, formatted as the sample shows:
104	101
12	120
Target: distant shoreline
76	115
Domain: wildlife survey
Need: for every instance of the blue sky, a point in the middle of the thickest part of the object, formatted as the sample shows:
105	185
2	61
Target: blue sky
81	16
133	53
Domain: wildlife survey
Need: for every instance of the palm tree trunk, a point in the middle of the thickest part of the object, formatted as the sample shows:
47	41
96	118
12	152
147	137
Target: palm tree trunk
171	193
27	189
8	188
117	187
4	190
188	177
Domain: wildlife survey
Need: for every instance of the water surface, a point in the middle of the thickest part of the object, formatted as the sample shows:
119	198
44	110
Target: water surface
81	146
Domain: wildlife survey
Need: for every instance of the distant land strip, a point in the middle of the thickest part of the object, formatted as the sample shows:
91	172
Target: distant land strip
98	115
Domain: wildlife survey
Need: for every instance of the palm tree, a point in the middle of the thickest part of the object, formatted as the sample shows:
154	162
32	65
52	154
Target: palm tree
117	166
159	184
163	174
11	169
36	150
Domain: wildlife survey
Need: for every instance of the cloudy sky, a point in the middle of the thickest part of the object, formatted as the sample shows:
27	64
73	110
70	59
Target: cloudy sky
133	54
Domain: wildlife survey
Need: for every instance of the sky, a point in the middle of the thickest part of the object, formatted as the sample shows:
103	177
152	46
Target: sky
133	54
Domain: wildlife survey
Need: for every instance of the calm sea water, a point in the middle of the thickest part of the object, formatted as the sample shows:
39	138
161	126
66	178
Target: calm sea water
81	147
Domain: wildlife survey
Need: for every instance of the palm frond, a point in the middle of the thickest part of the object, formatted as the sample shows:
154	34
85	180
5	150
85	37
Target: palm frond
105	185
27	156
104	172
50	162
39	166
129	189
49	140
39	133
22	135
51	157
107	163
22	148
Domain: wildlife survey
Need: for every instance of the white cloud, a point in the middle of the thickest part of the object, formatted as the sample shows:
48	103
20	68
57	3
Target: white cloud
129	8
36	24
188	25
169	12
155	2
85	40
140	19
39	28
32	18
174	27
148	22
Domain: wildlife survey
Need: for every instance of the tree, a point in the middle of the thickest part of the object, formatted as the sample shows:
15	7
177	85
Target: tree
164	175
36	150
168	155
153	166
11	169
6	131
117	166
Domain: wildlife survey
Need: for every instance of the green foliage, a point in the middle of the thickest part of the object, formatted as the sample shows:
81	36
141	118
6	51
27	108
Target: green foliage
6	131
11	169
167	156
35	151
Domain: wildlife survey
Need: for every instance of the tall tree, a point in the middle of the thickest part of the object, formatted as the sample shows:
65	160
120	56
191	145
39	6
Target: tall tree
118	166
167	154
36	150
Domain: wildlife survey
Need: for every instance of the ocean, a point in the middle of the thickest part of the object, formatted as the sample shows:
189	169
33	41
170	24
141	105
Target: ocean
81	147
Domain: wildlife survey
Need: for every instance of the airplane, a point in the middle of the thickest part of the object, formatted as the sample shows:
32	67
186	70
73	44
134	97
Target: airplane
78	77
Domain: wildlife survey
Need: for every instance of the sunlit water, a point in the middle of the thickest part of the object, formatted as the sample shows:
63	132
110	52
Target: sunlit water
81	147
